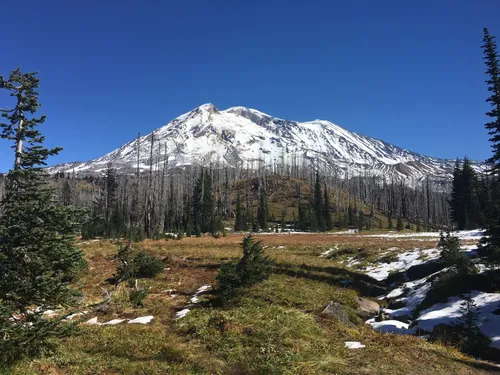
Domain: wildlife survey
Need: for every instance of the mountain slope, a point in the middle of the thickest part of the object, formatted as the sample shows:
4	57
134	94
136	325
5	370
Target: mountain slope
243	136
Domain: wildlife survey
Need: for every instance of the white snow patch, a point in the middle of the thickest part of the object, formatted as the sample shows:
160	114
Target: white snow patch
449	312
141	320
193	301
391	326
75	315
93	321
403	262
324	254
463	235
353	345
182	313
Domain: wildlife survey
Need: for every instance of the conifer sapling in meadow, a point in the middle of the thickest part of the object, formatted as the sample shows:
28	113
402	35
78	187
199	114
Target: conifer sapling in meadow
38	258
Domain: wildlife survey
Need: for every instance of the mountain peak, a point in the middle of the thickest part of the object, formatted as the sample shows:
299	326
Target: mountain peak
208	107
241	136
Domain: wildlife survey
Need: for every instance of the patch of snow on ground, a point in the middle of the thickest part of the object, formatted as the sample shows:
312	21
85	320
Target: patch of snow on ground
353	345
141	320
404	261
182	313
448	313
193	301
324	254
463	235
93	321
391	326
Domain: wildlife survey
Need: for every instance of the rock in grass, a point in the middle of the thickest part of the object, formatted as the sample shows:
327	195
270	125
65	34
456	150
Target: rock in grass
367	308
336	311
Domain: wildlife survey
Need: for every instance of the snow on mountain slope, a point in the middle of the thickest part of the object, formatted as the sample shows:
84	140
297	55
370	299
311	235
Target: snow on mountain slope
243	136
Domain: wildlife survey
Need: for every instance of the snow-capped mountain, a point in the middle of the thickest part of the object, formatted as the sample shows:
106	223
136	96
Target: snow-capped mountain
244	136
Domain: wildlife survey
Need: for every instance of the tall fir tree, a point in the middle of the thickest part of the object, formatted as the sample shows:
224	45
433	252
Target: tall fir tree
328	214
38	258
262	209
318	204
238	223
490	243
456	199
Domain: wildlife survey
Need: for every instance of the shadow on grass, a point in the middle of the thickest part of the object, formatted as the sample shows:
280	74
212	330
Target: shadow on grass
341	277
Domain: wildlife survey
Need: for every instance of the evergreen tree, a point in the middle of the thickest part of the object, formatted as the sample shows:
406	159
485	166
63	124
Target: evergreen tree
189	226
456	200
37	254
203	203
197	205
351	220
328	214
238	223
283	222
453	256
490	243
318	205
399	224
303	222
389	221
361	220
493	71
209	219
262	209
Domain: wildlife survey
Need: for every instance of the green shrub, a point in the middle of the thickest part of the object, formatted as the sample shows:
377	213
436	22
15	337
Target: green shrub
146	265
136	296
454	257
470	338
252	268
180	234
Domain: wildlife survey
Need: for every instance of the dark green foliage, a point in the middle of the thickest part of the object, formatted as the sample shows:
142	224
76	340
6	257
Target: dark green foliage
125	269
137	295
262	209
399	224
180	233
282	221
490	243
493	71
189	227
351	217
238	223
465	197
318	203
145	265
252	268
328	214
37	254
389	221
361	220
203	203
470	338
453	256
140	265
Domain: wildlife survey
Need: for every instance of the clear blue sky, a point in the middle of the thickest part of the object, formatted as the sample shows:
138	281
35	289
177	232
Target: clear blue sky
407	72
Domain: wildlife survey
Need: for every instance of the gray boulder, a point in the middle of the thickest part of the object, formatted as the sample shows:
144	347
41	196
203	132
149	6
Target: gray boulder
367	308
336	311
